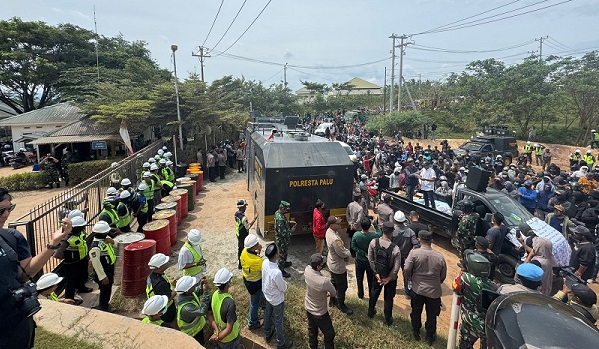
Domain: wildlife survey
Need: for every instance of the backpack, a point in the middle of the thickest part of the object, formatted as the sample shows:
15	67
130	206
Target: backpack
383	258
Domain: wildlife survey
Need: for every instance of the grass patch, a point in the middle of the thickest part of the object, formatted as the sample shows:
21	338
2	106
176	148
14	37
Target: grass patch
352	332
49	340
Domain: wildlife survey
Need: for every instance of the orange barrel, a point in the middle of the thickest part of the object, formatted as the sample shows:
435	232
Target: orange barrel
168	202
194	184
135	267
183	202
171	216
191	193
121	241
159	231
194	177
181	180
195	167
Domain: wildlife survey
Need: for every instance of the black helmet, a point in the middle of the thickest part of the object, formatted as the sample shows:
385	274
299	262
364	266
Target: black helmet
477	265
467	206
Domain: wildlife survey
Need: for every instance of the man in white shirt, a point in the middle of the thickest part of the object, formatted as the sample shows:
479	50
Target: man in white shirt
427	184
191	258
274	287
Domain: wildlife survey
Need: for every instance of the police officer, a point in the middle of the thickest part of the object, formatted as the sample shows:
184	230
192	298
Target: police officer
126	185
159	284
73	252
109	214
153	309
242	227
225	324
139	207
171	173
589	158
337	262
470	285
155	177
283	229
538	148
318	288
149	193
191	258
123	212
575	158
103	258
528	152
193	303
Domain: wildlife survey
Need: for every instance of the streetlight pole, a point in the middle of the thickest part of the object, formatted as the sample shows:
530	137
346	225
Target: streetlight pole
174	48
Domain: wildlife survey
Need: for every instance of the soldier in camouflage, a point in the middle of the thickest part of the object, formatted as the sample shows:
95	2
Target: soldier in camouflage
283	229
467	228
470	285
48	164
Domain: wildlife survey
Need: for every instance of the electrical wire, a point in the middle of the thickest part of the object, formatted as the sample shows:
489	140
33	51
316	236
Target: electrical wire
552	39
248	28
230	25
275	74
214	21
437	49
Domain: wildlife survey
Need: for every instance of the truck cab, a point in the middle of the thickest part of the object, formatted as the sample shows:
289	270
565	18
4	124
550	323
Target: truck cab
495	141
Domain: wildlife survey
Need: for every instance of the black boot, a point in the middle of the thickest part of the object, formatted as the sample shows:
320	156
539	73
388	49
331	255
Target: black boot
333	302
344	309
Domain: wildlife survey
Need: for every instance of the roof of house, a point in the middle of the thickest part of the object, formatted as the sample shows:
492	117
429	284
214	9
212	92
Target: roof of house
6	111
362	84
61	112
304	91
80	131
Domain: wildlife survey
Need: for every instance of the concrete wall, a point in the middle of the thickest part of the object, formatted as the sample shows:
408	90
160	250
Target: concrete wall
18	131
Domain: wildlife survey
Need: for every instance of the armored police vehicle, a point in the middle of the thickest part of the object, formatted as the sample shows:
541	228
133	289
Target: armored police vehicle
286	163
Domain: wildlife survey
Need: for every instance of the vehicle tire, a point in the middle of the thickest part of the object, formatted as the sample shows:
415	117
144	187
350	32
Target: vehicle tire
505	270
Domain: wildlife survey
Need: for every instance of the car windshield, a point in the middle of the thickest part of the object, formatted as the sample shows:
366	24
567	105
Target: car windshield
471	146
348	150
513	212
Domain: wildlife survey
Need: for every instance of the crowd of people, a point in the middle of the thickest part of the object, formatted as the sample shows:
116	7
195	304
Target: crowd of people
220	156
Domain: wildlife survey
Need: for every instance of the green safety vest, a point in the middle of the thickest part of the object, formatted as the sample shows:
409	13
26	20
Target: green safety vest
53	297
194	327
124	220
528	149
144	209
106	251
196	258
589	159
164	172
575	157
171	174
77	249
150	288
217	302
168	183
155	181
148	321
114	217
149	192
538	151
596	136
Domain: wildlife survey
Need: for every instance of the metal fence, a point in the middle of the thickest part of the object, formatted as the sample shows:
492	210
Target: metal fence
43	220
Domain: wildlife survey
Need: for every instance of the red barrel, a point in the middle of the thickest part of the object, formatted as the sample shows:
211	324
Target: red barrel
183	202
176	200
194	190
195	177
201	181
135	267
171	216
159	231
190	197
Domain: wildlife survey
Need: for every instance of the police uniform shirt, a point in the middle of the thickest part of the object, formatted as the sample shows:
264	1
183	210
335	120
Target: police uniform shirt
317	288
94	256
338	253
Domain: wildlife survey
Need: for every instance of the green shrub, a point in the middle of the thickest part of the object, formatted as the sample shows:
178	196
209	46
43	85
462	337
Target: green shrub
23	181
80	171
403	121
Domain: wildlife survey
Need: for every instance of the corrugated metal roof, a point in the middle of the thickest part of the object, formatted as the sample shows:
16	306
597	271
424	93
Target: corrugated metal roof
362	84
62	112
76	139
81	131
6	111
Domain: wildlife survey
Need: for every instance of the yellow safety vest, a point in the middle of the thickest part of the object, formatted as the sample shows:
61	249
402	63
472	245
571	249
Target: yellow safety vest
114	217
196	258
596	136
106	252
194	327
528	149
148	321
124	221
538	151
77	249
53	297
150	288
589	159
251	265
217	302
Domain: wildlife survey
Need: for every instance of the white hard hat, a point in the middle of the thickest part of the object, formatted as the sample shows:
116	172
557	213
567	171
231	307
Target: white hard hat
593	130
164	148
527	142
250	241
125	194
397	169
222	277
146	164
577	150
168	163
194	237
168	154
153	167
185	283
101	227
151	160
462	169
142	186
126	181
74	213
147	174
78	221
155	305
47	280
111	191
160	152
498	157
158	260
162	162
114	164
536	144
157	157
589	151
399	217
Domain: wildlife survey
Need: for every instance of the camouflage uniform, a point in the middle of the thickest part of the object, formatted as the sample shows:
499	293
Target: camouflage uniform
473	315
49	167
467	231
64	162
282	236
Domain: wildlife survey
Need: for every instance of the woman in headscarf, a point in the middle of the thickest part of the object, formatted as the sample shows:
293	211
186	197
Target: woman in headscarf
542	251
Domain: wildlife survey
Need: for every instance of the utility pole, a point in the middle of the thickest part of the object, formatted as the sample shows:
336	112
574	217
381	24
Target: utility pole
540	40
202	54
393	37
285	75
174	48
401	53
385	92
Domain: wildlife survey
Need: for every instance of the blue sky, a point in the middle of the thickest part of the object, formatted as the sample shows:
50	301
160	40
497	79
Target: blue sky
328	33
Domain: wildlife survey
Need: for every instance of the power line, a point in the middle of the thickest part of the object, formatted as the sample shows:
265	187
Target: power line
275	74
559	43
444	50
230	25
215	17
248	28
